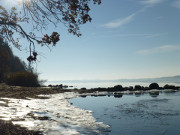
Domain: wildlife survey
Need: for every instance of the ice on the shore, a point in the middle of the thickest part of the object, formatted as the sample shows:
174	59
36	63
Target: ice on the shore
52	116
2	102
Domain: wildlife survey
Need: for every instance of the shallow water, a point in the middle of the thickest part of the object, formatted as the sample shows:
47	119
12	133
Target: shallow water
136	115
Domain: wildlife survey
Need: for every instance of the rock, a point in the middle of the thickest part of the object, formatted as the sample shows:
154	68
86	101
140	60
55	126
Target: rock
153	86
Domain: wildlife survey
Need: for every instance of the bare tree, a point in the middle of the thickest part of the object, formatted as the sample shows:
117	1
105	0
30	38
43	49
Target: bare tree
41	13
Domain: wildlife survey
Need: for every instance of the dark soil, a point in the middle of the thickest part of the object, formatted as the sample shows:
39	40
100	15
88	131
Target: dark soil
7	128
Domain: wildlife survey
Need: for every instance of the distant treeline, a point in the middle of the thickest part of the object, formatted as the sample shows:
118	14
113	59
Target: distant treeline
14	71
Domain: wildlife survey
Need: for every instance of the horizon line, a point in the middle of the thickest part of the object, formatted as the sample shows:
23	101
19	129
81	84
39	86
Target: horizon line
123	79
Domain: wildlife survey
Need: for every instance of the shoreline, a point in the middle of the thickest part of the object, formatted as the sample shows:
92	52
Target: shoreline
27	93
19	92
41	111
53	115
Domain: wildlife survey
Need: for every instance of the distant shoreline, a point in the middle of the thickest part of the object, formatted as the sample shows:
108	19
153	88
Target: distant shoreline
171	79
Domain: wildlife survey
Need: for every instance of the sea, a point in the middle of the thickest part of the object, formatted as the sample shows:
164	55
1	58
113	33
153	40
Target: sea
104	84
131	114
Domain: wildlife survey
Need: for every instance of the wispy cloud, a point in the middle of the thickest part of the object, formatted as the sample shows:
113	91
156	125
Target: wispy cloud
155	35
119	22
150	2
159	49
176	4
123	21
114	35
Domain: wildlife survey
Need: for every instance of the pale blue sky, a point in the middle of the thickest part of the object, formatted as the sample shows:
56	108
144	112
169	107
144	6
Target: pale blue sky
126	39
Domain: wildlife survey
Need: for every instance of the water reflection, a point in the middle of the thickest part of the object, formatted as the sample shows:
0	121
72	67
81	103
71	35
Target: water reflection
156	112
137	93
154	93
118	95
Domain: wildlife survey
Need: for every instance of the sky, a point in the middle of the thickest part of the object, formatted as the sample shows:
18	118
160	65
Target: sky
126	39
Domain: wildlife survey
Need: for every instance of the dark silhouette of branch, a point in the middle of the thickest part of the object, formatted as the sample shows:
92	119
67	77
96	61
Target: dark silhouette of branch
41	13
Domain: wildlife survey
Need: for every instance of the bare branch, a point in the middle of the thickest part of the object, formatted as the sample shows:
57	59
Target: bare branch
72	13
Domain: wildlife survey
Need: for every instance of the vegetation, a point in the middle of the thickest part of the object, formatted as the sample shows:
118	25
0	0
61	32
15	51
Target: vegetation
13	71
40	14
37	15
9	62
27	79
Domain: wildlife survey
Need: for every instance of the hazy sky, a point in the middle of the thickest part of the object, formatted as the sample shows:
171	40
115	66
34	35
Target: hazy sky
126	39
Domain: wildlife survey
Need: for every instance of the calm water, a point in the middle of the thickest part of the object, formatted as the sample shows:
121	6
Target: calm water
136	115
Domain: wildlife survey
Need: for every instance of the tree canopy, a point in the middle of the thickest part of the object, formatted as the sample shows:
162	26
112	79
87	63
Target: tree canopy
39	14
8	61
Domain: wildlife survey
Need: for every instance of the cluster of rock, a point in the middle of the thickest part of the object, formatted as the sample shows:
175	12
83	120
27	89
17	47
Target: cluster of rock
118	91
61	86
136	87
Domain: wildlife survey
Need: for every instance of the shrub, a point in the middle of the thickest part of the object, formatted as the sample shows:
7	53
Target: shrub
27	79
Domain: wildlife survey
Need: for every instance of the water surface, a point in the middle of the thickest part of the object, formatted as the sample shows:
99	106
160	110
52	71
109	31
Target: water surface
136	115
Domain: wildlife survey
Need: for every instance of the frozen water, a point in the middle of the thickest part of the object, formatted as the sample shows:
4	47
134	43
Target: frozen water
2	102
54	115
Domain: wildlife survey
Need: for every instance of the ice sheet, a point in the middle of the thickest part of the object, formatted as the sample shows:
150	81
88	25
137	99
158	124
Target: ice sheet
52	116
